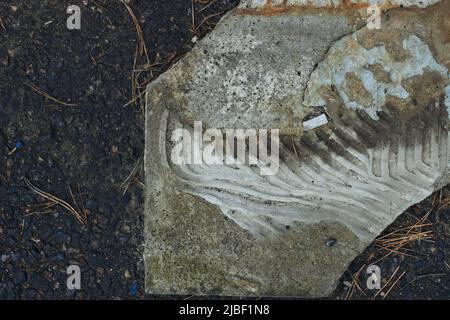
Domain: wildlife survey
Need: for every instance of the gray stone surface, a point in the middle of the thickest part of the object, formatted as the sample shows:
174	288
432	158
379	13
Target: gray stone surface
224	229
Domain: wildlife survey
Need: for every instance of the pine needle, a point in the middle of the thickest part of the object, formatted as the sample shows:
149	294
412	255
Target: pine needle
45	94
81	217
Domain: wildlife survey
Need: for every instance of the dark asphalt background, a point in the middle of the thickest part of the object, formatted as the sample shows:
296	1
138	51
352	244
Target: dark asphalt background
94	146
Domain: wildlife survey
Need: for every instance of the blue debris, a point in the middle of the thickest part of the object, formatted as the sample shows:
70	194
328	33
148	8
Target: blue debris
60	256
134	289
20	144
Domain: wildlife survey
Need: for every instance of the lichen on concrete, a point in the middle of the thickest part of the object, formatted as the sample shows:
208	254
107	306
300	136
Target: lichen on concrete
347	56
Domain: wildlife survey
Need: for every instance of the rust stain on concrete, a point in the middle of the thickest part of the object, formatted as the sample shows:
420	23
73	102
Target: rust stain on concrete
271	9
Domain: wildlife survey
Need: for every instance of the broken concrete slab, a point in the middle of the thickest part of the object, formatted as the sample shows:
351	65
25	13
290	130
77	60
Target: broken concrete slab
229	229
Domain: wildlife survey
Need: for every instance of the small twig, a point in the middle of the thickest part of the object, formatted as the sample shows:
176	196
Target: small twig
45	94
47	207
391	251
393	285
134	99
395	241
141	184
1	24
22	227
404	228
74	200
207	18
355	279
430	275
141	42
141	49
193	14
295	149
99	5
207	6
386	284
422	277
127	182
82	203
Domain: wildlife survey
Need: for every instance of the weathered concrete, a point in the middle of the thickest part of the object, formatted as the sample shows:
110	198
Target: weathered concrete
223	229
336	3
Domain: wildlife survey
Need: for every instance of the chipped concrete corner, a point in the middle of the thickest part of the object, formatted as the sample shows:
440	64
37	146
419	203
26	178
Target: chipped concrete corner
382	97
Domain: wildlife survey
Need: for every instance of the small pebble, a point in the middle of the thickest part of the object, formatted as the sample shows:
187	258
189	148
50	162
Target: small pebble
105	208
11	131
21	277
94	244
20	144
125	228
330	242
59	256
91	204
100	271
347	284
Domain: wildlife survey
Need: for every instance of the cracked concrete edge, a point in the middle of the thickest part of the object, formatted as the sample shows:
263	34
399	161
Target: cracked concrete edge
273	6
238	277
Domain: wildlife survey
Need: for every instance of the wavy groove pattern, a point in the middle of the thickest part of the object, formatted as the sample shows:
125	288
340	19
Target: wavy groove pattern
362	170
338	177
